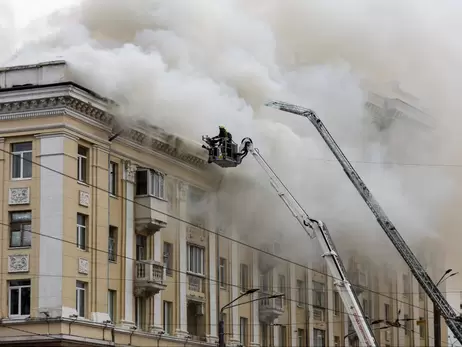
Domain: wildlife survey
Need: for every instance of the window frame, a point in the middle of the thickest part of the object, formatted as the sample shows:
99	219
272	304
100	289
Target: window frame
22	230
299	288
282	287
21	158
82	228
112	244
167	317
222	272
82	164
244	277
113	178
243	326
199	257
81	288
319	292
168	258
112	304
336	303
151	184
20	288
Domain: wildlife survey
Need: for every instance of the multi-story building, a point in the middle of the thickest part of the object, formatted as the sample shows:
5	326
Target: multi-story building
102	245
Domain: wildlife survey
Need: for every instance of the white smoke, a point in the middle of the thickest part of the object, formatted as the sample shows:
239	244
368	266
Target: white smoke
189	66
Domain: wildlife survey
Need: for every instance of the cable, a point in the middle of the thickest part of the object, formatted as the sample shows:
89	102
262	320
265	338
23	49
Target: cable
205	278
196	226
117	344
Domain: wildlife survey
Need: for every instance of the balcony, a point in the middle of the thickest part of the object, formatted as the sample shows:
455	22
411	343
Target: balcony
150	214
149	278
196	286
270	309
358	281
267	261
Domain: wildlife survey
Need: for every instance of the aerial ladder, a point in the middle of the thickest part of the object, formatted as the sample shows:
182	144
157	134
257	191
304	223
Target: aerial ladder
453	321
224	153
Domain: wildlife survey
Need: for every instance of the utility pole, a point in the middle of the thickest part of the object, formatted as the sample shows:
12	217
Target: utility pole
437	313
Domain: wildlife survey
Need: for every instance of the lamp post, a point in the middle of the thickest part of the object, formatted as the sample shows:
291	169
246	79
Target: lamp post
437	313
221	323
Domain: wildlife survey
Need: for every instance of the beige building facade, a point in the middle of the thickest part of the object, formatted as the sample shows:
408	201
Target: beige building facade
95	249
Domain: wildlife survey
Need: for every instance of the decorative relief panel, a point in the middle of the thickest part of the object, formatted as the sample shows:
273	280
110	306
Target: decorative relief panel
18	263
19	196
130	171
84	198
83	266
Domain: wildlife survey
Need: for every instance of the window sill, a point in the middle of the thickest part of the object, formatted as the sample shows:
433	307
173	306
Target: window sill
85	184
83	250
299	305
113	262
196	274
21	179
223	288
151	196
113	196
19	317
19	247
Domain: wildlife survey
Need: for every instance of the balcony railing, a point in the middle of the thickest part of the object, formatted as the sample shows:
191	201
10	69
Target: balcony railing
149	278
270	309
196	283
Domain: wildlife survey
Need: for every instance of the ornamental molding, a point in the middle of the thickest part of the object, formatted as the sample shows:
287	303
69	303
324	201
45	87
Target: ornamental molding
84	198
19	196
18	263
153	138
83	266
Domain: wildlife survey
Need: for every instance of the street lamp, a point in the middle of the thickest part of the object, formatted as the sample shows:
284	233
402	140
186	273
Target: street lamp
437	313
221	324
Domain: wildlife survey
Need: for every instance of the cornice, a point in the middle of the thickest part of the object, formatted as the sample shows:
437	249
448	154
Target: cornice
72	101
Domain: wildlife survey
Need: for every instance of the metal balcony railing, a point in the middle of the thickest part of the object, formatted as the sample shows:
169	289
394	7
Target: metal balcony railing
273	303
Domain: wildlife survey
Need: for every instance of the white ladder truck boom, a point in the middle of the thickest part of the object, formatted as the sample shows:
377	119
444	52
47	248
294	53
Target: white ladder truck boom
224	157
453	321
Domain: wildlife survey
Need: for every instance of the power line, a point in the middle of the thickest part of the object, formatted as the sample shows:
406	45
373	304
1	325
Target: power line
193	225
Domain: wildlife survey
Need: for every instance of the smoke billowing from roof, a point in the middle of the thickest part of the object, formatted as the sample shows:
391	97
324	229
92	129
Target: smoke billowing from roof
190	66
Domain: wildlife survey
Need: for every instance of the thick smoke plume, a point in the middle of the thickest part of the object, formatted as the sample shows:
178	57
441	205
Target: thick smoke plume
188	67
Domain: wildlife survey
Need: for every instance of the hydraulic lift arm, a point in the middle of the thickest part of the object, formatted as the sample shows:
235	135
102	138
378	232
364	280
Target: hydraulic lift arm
452	319
315	229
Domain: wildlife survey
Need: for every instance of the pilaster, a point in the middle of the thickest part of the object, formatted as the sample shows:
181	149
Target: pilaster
255	340
235	289
212	336
293	305
330	309
309	306
158	256
182	194
129	178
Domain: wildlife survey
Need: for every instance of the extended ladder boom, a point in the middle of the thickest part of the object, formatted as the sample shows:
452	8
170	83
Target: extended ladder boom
318	229
450	316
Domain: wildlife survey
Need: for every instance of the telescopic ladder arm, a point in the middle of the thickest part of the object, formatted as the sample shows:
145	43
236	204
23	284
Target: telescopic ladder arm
317	229
449	314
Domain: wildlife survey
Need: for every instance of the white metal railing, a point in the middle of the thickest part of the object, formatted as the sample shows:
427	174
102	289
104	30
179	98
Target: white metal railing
151	271
196	283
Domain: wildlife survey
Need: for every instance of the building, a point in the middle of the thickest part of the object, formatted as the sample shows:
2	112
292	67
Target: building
95	250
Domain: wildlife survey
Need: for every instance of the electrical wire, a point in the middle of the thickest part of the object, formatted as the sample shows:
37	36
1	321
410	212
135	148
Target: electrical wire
197	226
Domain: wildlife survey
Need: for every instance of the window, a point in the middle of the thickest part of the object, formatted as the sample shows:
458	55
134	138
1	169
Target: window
140	312
406	285
168	317
300	334
422	327
141	242
113	171
244	277
168	258
319	298
150	182
82	164
21	165
19	298
421	293
366	307
407	327
243	331
20	229
196	260
387	312
111	304
283	336
337	341
319	338
81	231
80	298
222	272
264	334
112	244
299	293
336	303
282	287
